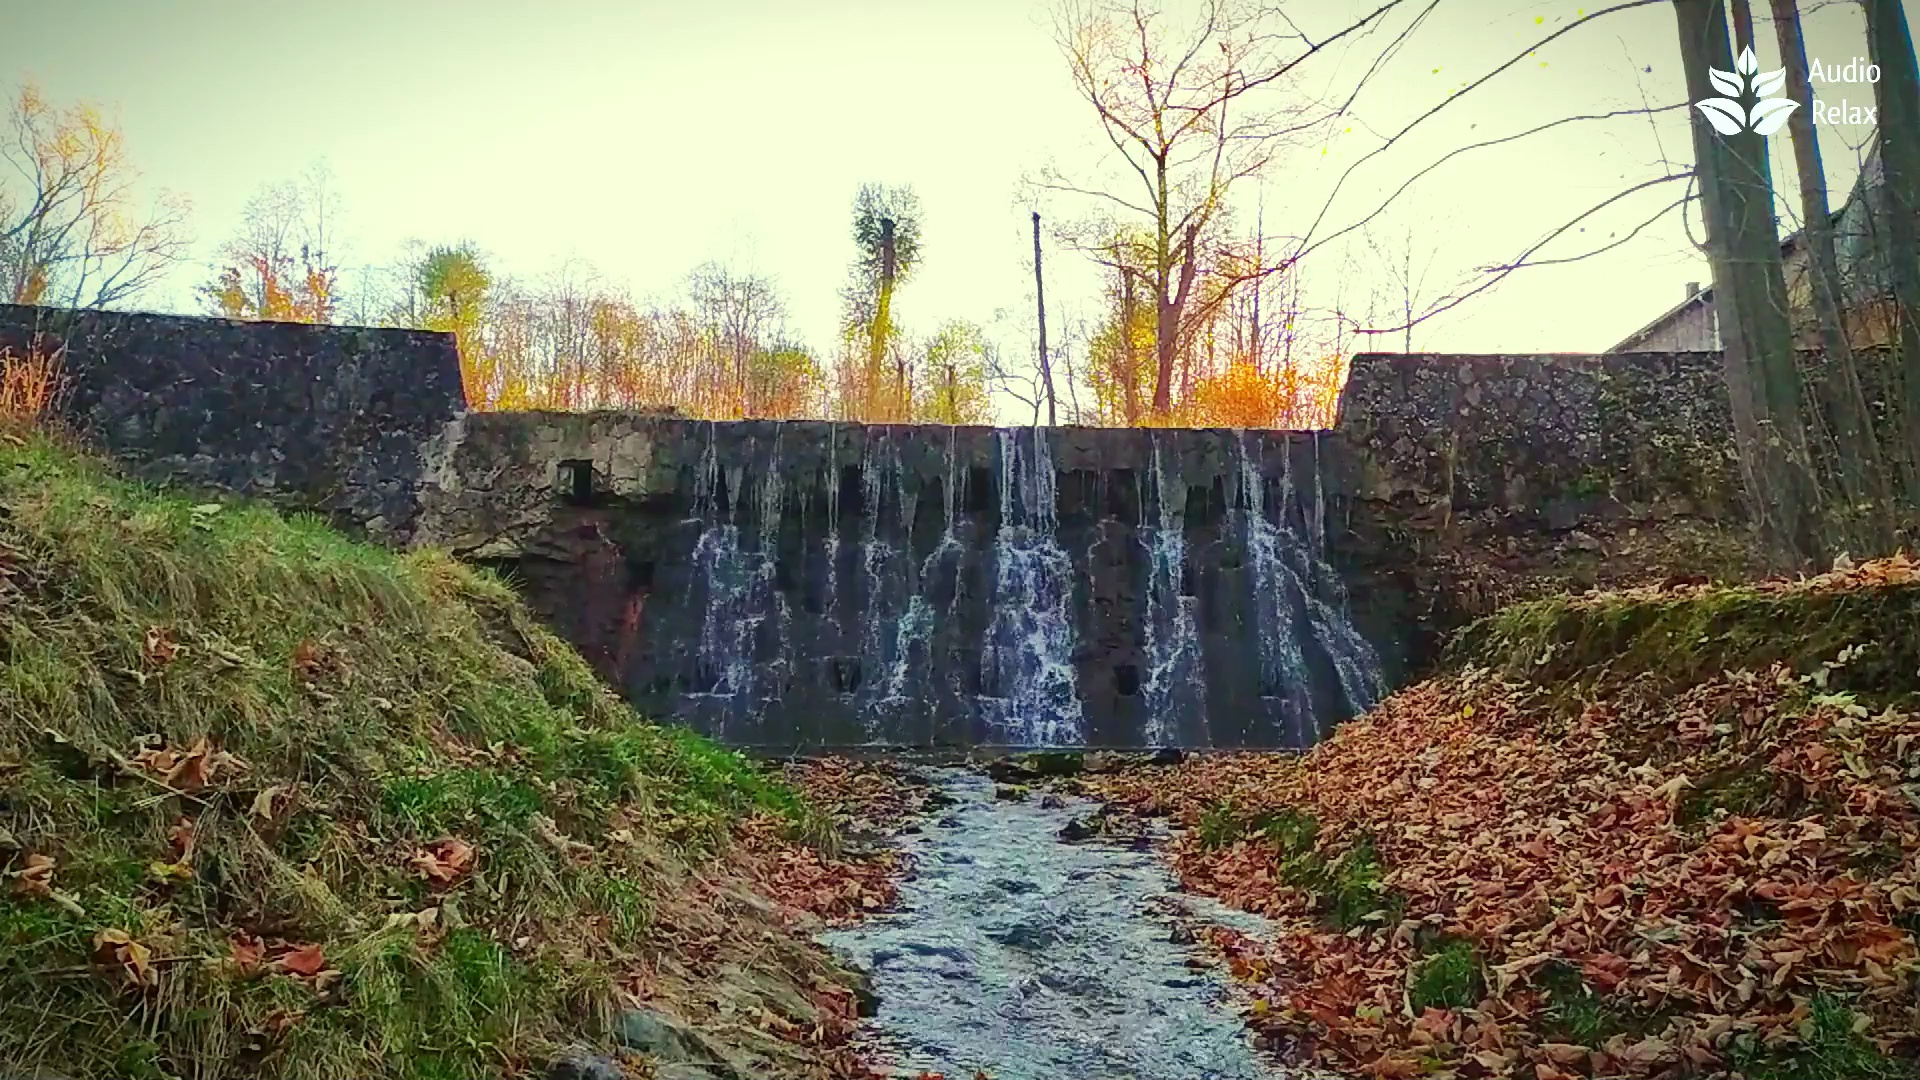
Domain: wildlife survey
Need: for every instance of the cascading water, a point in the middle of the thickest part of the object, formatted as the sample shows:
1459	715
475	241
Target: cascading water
1291	588
1174	687
879	562
741	591
1029	694
915	631
1223	626
765	585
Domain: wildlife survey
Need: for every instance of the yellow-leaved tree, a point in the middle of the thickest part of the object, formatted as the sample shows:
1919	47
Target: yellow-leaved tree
74	231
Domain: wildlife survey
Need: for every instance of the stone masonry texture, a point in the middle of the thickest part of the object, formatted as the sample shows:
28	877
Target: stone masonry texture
852	568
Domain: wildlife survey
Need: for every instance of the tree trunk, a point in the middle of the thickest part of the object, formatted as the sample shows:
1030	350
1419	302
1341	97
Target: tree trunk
882	312
1040	301
1166	330
1897	95
1763	382
1129	356
1862	473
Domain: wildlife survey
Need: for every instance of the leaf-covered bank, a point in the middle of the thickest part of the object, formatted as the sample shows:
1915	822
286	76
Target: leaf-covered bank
278	804
1668	832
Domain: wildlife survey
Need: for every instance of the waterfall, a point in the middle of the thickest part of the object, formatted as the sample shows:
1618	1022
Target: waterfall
1175	687
916	625
723	673
1029	695
879	467
767	595
1292	586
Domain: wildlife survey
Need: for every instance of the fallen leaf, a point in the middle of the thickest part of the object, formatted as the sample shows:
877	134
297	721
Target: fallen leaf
248	952
263	803
444	861
36	879
304	960
116	947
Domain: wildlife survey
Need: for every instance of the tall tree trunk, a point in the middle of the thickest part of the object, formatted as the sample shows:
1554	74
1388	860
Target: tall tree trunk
1862	474
1040	301
882	320
1171	303
1763	381
1129	352
1897	95
1259	285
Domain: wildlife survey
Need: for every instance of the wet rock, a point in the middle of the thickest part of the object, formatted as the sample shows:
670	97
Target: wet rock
582	1065
1052	801
1011	793
1167	755
1054	763
1082	828
663	1036
1008	770
866	1001
683	1071
1181	934
1103	761
1582	541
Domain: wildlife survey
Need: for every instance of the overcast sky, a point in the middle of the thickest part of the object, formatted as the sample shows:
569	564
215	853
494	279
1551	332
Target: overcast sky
644	138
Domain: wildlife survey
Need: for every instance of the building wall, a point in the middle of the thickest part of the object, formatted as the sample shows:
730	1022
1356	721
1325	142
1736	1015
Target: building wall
1695	328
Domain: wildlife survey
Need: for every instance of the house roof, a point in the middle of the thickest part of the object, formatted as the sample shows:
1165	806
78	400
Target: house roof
1851	226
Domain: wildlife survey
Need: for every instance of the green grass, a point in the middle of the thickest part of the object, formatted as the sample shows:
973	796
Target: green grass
377	703
1349	890
1830	1049
1449	977
1683	640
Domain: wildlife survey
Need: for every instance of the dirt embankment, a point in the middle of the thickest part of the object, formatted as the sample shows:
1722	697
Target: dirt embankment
278	805
1661	832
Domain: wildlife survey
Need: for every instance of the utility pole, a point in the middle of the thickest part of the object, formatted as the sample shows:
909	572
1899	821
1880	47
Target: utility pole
1040	299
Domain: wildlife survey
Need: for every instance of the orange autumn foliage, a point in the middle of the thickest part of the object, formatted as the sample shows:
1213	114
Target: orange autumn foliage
29	385
1243	396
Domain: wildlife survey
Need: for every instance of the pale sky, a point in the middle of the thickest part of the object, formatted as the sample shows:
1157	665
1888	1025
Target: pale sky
645	138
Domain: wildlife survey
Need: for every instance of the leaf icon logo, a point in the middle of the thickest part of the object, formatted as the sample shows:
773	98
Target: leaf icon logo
1728	116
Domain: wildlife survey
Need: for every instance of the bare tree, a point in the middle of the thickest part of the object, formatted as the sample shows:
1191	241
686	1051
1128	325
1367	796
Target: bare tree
1191	107
1861	472
1404	266
1897	97
743	315
279	265
1763	377
71	230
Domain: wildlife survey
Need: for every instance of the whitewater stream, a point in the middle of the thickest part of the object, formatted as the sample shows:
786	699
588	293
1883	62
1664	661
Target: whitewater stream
1016	953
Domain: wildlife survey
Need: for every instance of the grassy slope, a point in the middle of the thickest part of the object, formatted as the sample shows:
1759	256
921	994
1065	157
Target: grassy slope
369	720
1638	833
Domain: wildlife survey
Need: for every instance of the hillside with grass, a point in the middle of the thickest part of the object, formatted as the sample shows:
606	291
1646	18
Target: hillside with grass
1658	832
278	804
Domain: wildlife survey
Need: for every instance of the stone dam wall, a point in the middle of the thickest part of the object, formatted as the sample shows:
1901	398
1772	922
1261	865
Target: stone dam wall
795	584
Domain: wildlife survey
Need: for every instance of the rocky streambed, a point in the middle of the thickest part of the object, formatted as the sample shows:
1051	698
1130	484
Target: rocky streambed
1018	953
